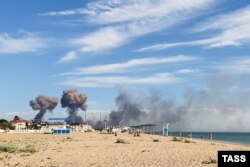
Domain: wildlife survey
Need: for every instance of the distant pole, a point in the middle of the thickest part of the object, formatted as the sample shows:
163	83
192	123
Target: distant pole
211	136
85	116
100	116
105	123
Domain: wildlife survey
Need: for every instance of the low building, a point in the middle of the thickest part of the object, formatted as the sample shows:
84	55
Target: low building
48	128
81	127
19	123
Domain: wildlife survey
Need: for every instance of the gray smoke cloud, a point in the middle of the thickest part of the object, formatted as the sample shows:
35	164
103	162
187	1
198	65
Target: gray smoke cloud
220	106
129	109
43	103
74	101
137	108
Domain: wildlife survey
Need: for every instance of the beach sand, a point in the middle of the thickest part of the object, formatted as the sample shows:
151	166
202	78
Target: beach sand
101	150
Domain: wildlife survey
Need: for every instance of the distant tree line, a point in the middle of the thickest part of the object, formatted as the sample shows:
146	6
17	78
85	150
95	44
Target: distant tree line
4	124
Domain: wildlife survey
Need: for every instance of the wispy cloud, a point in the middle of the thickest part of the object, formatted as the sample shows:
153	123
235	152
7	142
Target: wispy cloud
226	21
232	29
65	12
129	65
102	81
119	11
122	21
188	71
116	11
241	66
26	42
102	39
68	57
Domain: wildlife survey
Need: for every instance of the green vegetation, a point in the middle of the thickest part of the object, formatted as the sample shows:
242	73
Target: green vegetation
34	126
181	139
187	141
8	147
67	139
176	139
24	155
17	164
156	140
30	148
210	161
121	141
13	148
4	124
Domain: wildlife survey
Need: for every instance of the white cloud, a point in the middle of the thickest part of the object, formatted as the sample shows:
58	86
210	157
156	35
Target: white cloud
236	67
28	42
102	39
188	71
163	46
122	21
226	21
66	12
68	57
232	30
129	65
103	81
116	11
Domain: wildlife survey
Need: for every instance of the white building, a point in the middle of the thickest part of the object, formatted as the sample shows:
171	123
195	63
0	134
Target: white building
19	123
52	126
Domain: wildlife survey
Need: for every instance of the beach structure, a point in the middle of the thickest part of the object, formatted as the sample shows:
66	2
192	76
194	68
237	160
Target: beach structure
116	130
50	127
126	129
145	128
62	131
165	129
57	128
19	123
80	127
53	124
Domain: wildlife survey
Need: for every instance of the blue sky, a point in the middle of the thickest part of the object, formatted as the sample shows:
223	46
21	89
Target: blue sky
98	47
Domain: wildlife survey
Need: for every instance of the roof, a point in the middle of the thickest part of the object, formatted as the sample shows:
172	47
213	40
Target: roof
18	119
57	119
142	125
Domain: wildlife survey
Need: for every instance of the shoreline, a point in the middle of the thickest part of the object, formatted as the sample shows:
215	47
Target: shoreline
95	149
205	139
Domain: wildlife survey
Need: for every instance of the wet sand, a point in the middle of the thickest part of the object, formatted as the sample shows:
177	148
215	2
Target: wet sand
101	150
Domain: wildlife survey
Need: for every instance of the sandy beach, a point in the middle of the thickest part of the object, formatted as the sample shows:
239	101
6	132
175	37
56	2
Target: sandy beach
94	149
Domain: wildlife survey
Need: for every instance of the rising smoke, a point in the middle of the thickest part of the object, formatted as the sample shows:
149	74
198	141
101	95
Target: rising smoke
43	103
74	101
134	109
129	109
220	106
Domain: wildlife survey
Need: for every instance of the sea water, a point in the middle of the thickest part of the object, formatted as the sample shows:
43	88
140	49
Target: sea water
232	137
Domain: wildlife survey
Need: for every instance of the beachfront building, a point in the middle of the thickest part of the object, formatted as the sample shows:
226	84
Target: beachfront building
48	128
81	127
19	123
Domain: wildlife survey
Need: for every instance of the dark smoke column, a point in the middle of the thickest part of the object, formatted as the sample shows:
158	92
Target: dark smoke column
74	100
43	103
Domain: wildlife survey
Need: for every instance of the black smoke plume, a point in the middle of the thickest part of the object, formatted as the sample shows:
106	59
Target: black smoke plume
43	103
136	109
74	101
129	109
